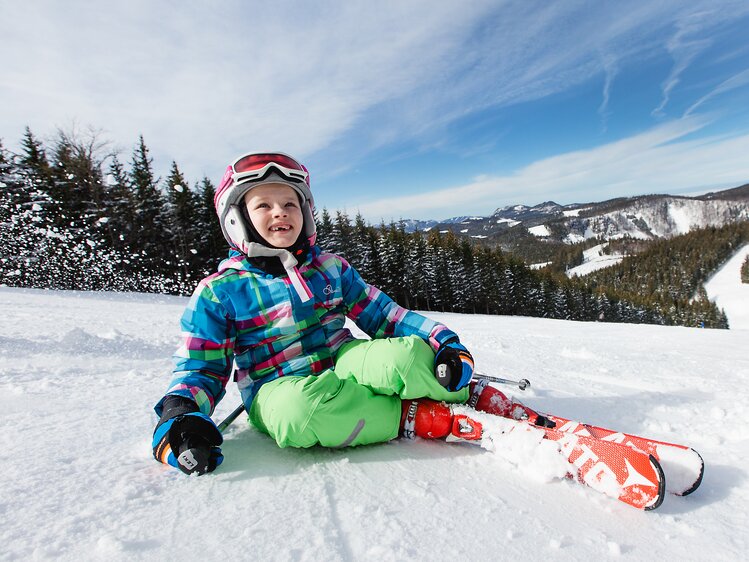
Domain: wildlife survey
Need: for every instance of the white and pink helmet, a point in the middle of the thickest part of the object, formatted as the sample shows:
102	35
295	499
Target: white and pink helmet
252	170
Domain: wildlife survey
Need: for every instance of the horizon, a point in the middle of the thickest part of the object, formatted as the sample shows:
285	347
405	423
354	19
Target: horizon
400	109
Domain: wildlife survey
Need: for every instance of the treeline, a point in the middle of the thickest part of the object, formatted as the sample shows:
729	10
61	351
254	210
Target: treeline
74	217
669	274
442	272
745	271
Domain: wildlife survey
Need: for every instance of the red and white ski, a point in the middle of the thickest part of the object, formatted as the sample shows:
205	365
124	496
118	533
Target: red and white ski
682	465
616	470
625	473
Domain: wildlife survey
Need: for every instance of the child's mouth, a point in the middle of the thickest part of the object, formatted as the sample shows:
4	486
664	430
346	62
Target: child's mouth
280	228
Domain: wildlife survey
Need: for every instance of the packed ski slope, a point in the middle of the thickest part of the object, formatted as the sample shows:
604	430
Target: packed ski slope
723	288
79	373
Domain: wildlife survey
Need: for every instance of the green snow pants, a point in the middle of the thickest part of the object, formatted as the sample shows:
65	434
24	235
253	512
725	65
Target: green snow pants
356	403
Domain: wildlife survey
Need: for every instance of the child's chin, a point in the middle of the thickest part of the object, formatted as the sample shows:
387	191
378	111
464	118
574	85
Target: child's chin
280	242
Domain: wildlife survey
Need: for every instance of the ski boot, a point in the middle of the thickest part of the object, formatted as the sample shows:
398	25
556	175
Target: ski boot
485	398
430	419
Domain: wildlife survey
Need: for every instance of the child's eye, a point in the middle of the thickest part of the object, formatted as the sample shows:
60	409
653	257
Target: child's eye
291	204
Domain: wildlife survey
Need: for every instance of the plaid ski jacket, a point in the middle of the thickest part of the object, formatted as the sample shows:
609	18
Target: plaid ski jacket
241	314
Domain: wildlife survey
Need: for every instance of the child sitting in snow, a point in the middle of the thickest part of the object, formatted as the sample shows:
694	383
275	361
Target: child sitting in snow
276	307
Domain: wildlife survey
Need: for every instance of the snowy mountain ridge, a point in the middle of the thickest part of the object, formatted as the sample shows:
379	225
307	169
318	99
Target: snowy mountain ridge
644	217
661	217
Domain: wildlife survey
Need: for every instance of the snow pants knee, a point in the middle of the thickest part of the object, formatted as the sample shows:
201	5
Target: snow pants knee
356	403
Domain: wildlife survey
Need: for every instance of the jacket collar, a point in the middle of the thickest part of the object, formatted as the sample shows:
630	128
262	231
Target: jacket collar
240	262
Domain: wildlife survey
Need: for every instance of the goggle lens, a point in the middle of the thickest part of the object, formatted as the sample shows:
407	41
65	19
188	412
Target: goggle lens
253	162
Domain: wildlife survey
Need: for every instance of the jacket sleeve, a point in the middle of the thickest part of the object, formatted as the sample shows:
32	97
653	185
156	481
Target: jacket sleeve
381	317
204	361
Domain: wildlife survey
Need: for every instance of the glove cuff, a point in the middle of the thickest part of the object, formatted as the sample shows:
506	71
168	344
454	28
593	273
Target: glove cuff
174	405
444	344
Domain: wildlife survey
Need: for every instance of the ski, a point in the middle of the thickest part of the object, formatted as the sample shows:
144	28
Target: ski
682	465
630	475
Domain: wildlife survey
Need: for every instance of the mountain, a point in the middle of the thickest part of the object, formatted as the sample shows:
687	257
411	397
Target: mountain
413	225
536	232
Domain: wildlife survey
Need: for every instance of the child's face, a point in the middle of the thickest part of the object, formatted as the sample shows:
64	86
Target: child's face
275	213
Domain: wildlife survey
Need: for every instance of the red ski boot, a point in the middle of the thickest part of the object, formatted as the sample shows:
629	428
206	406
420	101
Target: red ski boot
429	419
485	398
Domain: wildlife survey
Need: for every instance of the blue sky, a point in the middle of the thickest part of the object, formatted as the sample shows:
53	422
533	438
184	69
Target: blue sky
411	109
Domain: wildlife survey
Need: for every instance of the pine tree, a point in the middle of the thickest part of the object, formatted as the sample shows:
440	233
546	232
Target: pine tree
363	248
182	214
119	202
211	243
29	227
152	235
325	235
341	235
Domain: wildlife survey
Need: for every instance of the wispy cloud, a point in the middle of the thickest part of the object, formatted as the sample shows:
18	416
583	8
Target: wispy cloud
343	78
735	81
683	50
610	70
695	28
660	160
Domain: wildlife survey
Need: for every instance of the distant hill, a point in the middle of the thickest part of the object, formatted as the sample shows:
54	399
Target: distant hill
538	233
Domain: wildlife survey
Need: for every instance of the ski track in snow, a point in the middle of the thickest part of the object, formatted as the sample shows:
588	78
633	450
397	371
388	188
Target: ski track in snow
80	372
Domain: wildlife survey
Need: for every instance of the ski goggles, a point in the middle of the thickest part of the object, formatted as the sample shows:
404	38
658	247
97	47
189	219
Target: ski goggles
256	166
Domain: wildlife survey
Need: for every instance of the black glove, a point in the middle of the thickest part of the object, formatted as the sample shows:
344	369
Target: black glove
453	365
187	439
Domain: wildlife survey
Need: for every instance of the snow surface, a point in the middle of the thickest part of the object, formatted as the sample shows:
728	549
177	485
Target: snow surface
541	231
728	292
80	372
574	212
594	259
540	265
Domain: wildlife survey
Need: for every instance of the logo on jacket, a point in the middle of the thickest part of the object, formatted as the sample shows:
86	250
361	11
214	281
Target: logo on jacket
328	290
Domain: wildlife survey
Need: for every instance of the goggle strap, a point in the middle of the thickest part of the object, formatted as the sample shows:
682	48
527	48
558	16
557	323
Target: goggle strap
262	173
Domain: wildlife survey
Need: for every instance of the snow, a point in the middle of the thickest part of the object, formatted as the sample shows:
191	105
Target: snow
540	265
509	222
594	259
80	372
728	292
541	230
574	212
681	217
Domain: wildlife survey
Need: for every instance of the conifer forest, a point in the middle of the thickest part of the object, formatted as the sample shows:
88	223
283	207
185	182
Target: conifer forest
75	216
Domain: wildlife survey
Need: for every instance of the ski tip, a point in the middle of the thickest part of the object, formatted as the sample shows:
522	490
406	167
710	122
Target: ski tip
699	478
661	484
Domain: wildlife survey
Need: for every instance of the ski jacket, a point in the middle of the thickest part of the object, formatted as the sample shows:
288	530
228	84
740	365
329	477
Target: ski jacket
246	316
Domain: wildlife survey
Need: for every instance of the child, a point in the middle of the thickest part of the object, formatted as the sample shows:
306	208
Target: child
276	307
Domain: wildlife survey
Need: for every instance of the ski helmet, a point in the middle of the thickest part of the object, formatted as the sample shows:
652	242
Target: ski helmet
252	170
